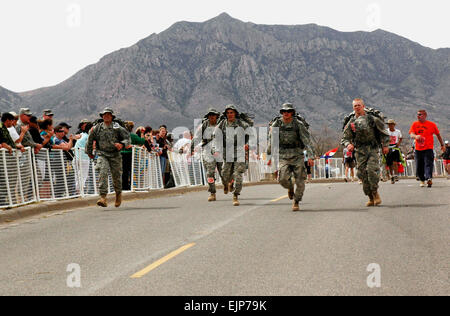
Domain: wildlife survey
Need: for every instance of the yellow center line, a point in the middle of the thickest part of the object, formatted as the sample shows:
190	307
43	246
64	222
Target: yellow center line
156	264
280	198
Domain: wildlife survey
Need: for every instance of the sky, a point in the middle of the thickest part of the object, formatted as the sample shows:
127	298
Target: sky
44	42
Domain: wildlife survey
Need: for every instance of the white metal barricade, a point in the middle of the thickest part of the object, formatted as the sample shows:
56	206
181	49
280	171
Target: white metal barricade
180	169
56	176
16	178
145	171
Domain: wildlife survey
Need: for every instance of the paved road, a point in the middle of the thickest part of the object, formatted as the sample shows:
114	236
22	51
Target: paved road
259	248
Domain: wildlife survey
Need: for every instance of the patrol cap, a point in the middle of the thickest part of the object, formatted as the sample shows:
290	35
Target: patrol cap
391	121
14	114
48	112
287	107
84	121
107	110
25	111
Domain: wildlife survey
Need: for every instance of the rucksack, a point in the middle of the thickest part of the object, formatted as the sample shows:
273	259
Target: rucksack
297	116
369	111
247	118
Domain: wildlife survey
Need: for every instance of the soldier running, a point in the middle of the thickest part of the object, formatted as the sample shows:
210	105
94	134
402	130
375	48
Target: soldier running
231	141
203	137
294	139
365	133
110	138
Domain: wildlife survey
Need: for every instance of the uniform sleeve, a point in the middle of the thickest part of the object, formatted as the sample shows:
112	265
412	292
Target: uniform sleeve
126	139
269	141
305	137
89	149
197	140
384	135
347	135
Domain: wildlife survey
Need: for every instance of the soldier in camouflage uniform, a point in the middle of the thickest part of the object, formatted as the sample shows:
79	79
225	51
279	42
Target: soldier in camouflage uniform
294	139
365	133
203	137
232	150
110	138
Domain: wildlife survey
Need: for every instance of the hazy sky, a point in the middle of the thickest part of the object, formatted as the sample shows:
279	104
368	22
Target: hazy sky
44	42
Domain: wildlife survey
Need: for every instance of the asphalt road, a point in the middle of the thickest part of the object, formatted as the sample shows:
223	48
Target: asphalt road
184	246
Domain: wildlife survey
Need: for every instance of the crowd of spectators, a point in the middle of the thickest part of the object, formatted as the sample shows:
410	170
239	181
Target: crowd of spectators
27	130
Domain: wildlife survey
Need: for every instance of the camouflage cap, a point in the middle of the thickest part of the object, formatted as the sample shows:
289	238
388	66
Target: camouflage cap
107	110
48	112
84	121
25	111
287	107
14	114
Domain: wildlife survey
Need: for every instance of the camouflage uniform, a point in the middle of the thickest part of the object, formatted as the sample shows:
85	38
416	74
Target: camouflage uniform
294	139
204	136
109	158
234	165
367	133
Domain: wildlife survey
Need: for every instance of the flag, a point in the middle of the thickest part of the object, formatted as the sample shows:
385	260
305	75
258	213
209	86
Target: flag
330	153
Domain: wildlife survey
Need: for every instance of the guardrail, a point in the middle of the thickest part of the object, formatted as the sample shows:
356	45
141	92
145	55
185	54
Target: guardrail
53	175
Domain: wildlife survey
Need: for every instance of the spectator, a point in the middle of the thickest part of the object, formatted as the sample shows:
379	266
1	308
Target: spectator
183	145
24	119
47	133
6	141
140	131
164	145
34	130
47	115
422	132
446	158
350	163
81	155
62	169
127	155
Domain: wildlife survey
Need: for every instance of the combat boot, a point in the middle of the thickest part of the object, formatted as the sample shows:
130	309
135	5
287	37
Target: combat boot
235	200
295	207
291	194
102	201
212	197
118	200
371	201
376	198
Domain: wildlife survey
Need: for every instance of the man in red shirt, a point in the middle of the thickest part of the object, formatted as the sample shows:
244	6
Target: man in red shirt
422	132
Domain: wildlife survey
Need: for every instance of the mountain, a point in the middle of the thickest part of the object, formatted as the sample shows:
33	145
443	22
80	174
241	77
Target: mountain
174	76
9	101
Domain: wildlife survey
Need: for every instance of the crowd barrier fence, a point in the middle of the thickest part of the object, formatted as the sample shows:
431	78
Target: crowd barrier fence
53	175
